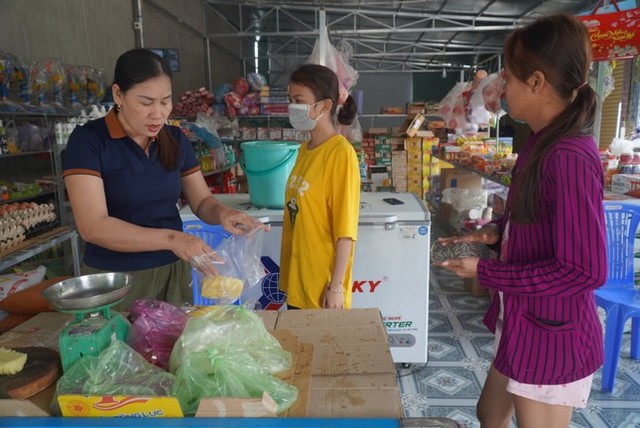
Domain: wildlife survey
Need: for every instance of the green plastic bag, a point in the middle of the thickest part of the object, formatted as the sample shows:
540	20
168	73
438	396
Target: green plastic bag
118	370
229	353
234	329
215	372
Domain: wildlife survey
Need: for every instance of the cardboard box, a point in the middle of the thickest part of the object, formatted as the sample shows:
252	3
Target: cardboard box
417	107
626	184
342	363
412	124
391	110
413	143
352	372
454	177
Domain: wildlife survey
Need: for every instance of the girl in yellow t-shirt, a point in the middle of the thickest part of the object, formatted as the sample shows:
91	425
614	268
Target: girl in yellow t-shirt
322	198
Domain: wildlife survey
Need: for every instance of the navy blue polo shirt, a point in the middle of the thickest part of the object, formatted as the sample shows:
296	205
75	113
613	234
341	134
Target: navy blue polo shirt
137	187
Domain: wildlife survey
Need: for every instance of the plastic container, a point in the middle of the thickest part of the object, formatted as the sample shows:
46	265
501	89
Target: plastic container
267	165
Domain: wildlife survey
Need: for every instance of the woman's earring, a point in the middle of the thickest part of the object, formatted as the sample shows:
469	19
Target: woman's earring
118	107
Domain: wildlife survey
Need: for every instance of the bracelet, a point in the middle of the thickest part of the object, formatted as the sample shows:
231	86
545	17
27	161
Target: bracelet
334	291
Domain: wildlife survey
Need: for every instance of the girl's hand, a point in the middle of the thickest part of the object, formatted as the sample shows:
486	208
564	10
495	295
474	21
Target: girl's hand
332	299
466	267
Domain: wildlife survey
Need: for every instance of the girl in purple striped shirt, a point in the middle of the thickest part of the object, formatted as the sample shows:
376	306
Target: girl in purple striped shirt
551	240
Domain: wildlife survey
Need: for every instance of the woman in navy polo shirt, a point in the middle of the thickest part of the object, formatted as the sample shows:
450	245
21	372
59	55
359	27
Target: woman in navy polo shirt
124	174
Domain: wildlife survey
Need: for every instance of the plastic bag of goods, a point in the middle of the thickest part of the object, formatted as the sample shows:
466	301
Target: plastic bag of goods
118	370
226	351
336	60
234	266
452	107
441	253
492	90
156	327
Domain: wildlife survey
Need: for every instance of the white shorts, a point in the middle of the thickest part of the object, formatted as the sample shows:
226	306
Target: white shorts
574	394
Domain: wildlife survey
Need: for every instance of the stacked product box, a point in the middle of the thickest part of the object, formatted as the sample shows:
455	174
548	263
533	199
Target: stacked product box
399	170
430	165
626	184
274	100
368	148
413	147
382	150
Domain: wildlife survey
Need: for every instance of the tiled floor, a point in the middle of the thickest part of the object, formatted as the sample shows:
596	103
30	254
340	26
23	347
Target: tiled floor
460	350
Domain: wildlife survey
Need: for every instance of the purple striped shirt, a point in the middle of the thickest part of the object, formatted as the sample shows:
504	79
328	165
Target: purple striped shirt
551	333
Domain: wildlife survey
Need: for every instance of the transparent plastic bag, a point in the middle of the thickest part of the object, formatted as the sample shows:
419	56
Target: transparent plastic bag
352	132
441	253
335	60
156	327
220	372
226	351
233	268
118	370
452	108
234	328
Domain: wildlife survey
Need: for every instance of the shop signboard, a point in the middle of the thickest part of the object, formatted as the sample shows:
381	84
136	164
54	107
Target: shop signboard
614	35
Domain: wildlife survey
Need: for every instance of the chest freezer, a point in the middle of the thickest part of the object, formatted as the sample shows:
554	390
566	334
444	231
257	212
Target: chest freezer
390	267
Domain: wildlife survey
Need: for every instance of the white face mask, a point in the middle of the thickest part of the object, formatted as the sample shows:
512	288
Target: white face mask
299	117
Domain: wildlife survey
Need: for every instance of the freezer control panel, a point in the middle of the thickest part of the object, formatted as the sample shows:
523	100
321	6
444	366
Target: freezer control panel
401	340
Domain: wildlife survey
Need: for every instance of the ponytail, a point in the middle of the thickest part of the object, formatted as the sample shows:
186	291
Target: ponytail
347	112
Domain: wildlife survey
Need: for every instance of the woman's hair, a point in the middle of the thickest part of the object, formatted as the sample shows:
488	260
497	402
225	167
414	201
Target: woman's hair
324	84
559	47
138	66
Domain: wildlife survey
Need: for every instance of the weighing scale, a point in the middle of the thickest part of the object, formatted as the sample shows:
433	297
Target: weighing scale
95	326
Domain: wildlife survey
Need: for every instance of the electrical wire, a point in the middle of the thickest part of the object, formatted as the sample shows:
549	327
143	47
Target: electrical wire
412	372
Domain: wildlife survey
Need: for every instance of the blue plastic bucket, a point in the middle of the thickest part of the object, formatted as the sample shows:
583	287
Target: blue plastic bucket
267	165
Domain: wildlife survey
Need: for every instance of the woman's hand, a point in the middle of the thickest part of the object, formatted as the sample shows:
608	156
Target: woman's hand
487	235
187	246
195	251
236	221
332	299
466	267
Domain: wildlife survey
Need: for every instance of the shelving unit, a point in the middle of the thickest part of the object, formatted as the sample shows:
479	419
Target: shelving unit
219	171
54	151
39	244
23	167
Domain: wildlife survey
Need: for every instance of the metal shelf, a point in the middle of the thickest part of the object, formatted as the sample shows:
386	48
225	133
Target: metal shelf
39	244
218	171
37	152
35	114
475	171
26	198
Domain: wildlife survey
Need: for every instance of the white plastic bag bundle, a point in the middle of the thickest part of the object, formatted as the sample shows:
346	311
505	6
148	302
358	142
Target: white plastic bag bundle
336	61
452	107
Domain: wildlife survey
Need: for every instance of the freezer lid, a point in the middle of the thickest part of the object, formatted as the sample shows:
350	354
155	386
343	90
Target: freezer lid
373	205
239	201
373	208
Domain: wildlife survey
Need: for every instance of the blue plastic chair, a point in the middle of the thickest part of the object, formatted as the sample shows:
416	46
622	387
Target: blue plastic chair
618	296
212	235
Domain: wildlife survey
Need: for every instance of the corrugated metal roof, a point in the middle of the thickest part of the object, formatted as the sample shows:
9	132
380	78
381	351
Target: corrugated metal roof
384	36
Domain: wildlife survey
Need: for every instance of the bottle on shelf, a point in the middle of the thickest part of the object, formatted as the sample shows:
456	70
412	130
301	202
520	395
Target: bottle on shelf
3	140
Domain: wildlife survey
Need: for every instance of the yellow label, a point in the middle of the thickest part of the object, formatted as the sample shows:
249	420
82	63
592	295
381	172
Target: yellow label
125	406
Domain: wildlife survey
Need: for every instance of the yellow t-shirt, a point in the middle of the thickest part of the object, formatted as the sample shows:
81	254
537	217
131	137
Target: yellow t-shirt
322	204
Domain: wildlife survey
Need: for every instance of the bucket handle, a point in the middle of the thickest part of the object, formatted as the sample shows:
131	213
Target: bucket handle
266	171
